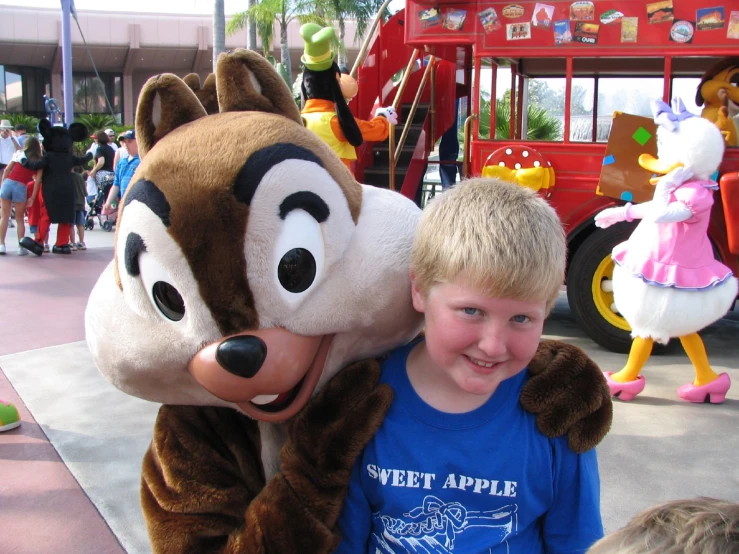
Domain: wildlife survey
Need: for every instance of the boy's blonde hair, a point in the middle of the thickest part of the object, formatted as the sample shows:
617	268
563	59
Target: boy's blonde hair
506	240
698	526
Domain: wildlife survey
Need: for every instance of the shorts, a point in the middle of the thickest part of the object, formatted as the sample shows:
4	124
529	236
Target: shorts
90	199
79	217
13	191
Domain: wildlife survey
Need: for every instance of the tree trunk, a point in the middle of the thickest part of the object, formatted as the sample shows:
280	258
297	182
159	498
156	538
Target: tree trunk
219	30
251	29
341	58
284	50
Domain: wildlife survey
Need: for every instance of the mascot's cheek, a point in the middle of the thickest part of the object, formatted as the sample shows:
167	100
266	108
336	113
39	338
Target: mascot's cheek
157	282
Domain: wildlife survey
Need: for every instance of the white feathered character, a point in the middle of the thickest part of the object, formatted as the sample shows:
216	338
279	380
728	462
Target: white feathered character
666	282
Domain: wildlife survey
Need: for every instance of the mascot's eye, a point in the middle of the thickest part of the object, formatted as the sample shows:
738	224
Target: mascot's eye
298	255
734	80
168	300
296	270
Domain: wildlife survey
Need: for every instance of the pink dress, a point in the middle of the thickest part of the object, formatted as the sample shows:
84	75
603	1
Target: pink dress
677	255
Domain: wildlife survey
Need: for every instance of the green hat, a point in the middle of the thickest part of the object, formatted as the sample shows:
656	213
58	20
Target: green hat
317	55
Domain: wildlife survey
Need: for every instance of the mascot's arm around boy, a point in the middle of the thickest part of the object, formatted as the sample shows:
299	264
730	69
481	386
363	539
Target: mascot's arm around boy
238	290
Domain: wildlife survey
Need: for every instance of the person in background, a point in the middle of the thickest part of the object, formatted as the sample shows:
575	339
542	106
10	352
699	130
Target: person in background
14	191
103	157
8	146
696	526
111	139
20	134
124	170
79	211
122	152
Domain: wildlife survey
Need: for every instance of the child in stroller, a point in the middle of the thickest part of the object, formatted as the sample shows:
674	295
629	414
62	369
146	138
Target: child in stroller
97	208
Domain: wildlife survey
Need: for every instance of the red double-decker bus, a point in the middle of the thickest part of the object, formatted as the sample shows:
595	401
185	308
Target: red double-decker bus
541	82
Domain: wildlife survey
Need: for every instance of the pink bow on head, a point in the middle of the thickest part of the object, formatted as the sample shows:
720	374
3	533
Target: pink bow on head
667	117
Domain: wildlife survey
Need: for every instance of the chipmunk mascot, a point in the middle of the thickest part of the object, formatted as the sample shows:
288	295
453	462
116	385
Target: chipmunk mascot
253	282
719	91
666	281
325	90
57	186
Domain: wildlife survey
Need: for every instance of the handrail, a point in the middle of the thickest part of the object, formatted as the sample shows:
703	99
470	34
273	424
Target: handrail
466	147
396	106
404	81
365	45
394	155
391	154
414	106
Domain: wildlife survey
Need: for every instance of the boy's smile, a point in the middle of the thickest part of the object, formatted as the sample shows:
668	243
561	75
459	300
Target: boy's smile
473	343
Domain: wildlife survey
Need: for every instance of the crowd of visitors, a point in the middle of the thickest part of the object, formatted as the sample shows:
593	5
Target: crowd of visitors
114	161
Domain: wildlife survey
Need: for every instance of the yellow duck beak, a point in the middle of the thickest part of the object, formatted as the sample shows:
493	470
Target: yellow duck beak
655	165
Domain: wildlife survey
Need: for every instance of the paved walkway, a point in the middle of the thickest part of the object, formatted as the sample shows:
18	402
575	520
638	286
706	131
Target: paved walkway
69	475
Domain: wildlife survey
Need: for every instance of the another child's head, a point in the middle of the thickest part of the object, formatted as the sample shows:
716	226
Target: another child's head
696	526
101	137
32	148
487	265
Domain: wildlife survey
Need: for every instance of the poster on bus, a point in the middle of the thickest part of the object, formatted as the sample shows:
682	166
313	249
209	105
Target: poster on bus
621	176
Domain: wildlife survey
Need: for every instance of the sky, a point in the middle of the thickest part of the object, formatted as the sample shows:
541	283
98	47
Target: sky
149	6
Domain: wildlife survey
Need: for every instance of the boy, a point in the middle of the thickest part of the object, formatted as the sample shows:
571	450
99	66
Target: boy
696	526
458	465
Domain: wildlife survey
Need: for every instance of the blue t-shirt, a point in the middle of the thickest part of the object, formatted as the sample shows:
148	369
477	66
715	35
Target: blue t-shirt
485	481
124	171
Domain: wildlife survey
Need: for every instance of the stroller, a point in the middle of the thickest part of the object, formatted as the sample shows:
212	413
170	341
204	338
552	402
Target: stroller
106	220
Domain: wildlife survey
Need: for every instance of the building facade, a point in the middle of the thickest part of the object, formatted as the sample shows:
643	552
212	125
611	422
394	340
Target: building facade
127	49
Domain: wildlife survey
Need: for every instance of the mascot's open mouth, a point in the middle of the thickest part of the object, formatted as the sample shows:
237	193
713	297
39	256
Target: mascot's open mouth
270	374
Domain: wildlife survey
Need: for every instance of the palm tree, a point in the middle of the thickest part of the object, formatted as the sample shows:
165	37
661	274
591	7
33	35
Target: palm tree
541	125
264	14
362	11
251	29
219	30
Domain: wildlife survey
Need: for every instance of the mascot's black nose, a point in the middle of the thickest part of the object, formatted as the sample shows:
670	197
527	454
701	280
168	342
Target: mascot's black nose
242	355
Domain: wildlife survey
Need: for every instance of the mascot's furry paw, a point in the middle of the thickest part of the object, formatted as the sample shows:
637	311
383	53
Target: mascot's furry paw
326	437
388	113
568	394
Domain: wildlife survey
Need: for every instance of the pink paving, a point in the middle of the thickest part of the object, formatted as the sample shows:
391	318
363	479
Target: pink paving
43	509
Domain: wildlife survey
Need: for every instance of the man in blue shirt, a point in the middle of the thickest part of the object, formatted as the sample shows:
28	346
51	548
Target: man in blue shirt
124	170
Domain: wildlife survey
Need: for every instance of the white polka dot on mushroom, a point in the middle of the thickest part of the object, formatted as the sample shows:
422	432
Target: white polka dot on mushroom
517	166
501	164
508	151
536	163
525	153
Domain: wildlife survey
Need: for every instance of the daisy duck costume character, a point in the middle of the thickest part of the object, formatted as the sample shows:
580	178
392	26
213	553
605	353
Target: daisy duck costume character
666	282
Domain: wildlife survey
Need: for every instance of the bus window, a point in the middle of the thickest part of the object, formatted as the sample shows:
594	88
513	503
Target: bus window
545	112
581	109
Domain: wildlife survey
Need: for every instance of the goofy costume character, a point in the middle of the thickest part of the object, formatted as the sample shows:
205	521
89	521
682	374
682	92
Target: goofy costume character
325	91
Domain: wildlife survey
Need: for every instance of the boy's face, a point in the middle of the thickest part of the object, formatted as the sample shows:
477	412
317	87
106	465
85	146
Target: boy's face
473	341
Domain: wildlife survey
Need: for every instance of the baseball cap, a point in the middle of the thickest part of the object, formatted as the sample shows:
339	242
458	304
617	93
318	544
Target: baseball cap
129	135
109	132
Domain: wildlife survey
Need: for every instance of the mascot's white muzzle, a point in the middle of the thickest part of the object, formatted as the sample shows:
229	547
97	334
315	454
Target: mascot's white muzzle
269	373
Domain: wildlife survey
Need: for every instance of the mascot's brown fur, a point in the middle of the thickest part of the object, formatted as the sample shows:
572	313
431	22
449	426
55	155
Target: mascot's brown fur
251	273
205	93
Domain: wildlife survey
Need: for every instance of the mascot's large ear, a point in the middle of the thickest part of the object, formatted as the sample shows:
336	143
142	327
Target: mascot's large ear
245	81
165	103
205	93
44	127
78	132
